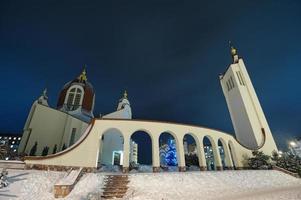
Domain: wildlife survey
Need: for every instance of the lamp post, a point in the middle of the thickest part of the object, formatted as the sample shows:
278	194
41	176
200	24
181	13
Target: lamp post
292	145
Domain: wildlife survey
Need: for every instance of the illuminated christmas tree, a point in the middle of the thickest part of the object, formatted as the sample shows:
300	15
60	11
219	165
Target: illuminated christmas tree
171	153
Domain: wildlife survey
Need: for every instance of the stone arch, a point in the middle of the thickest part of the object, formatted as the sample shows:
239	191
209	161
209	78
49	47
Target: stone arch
111	147
143	130
164	144
145	139
211	153
233	154
192	158
224	154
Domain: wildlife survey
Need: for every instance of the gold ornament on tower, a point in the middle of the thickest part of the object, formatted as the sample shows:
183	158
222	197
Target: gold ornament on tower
83	76
233	49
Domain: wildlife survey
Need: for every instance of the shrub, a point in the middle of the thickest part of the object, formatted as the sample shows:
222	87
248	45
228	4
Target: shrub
191	159
259	161
45	151
289	162
64	147
299	171
33	150
54	149
134	165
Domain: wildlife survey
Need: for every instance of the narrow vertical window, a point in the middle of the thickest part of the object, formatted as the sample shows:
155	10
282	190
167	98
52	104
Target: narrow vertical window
70	100
240	82
232	81
72	138
242	79
77	99
228	85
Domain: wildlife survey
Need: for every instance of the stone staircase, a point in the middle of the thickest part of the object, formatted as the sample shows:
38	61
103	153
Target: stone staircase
115	186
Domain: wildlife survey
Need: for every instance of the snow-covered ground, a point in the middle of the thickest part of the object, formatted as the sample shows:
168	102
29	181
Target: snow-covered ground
261	184
225	185
38	185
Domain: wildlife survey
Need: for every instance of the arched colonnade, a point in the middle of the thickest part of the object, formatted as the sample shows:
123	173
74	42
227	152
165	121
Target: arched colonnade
86	151
178	132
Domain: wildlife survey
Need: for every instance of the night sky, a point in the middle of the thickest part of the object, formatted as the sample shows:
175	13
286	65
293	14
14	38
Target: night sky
167	54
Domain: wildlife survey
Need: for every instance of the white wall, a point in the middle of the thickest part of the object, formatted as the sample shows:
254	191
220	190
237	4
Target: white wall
86	152
48	127
112	141
124	113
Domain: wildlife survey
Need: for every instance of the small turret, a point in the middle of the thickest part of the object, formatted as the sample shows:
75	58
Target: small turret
43	99
123	101
123	111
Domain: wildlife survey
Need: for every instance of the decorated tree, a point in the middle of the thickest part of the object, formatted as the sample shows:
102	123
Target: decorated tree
171	153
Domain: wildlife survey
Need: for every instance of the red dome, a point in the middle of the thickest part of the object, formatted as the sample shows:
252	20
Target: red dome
87	103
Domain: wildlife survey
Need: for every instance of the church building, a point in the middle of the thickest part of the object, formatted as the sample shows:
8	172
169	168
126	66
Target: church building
107	140
49	130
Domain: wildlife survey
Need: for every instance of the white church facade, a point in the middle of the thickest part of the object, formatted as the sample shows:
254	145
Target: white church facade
112	133
49	130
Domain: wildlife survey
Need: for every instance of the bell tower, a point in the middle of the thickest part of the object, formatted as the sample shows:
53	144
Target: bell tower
248	119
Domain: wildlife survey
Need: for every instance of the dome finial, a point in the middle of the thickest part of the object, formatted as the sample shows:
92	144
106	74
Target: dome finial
125	94
83	76
233	49
234	53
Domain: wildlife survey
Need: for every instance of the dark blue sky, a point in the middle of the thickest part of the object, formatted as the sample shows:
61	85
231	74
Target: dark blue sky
167	54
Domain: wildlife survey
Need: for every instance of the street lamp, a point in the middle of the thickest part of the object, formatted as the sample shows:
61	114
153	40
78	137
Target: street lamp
293	144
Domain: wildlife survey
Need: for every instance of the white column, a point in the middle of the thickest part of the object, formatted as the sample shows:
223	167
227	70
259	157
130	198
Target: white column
126	153
238	164
201	156
181	154
228	159
155	154
217	158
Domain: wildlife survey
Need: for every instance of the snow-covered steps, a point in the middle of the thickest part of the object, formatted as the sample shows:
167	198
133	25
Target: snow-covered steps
65	185
115	186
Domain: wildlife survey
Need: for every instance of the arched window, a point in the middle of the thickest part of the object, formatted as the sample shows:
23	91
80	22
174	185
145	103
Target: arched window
74	98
